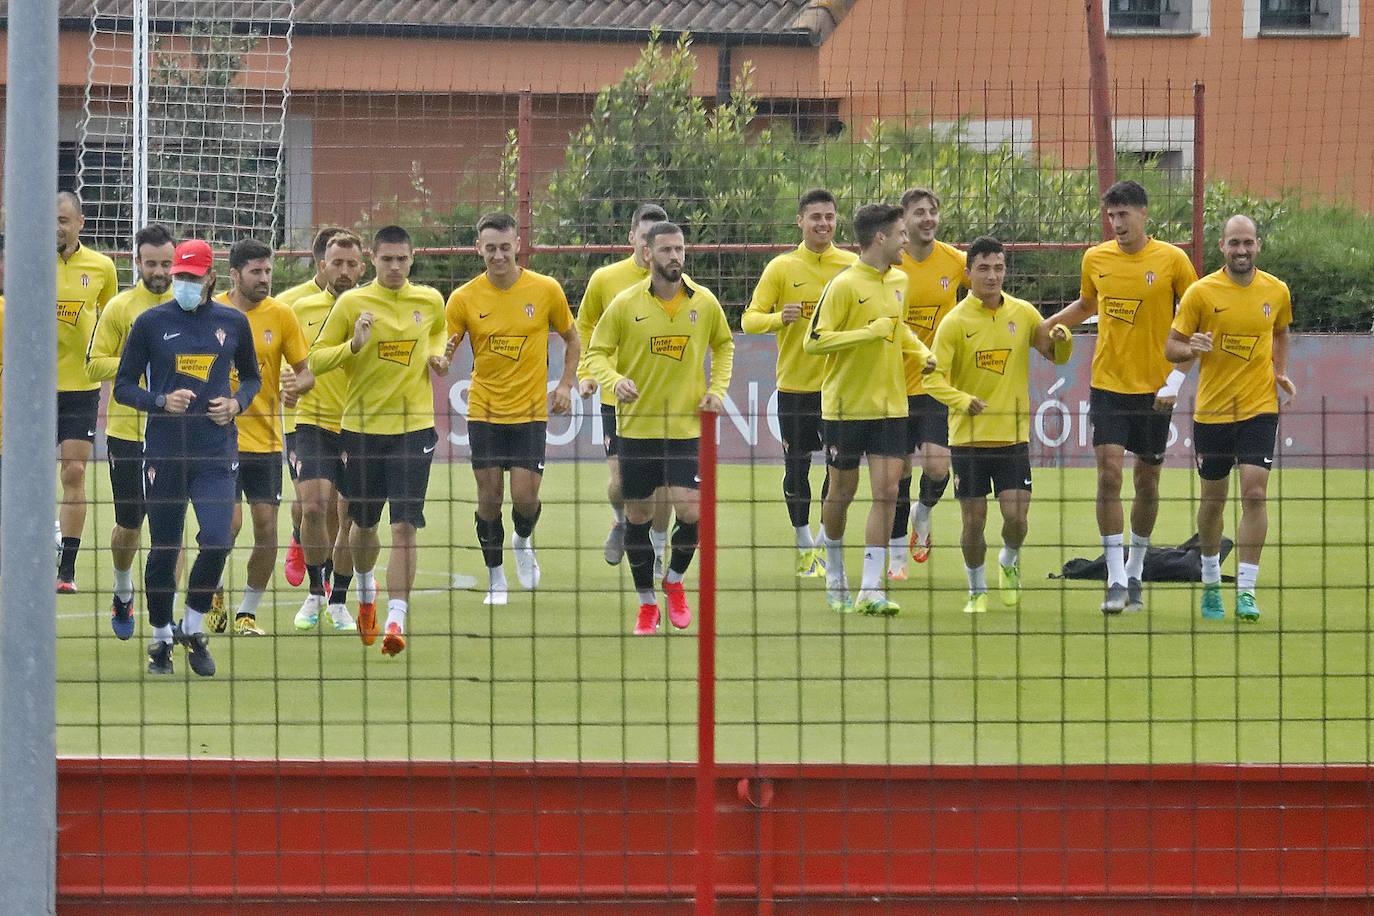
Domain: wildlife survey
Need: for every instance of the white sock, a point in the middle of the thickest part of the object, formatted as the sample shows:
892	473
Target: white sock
977	579
496	577
672	576
1112	548
619	515
874	557
804	539
660	541
520	543
1211	569
124	584
920	519
163	634
647	596
834	553
367	586
193	622
396	612
1135	560
251	597
1247	574
1009	556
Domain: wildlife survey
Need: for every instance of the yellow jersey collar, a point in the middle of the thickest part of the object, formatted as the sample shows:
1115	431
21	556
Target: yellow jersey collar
76	251
818	257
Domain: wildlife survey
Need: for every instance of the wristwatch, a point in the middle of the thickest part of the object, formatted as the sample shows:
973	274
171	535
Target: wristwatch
160	402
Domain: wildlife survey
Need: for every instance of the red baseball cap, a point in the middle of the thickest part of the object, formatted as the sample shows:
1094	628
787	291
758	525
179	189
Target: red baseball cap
194	257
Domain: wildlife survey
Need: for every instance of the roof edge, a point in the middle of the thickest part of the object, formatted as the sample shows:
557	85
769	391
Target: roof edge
822	17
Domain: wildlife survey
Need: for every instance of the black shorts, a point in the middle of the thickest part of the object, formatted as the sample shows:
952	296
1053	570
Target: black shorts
799	421
259	477
314	452
980	471
927	421
1130	421
387	469
608	436
77	412
847	441
507	445
647	464
125	459
1218	447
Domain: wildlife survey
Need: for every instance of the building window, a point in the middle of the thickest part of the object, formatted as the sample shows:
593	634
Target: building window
987	135
1164	143
1158	17
1305	18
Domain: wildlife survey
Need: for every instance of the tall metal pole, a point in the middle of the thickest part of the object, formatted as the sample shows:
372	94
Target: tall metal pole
1101	103
28	604
1199	175
139	96
706	674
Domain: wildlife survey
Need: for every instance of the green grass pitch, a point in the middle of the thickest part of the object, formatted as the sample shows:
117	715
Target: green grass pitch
556	676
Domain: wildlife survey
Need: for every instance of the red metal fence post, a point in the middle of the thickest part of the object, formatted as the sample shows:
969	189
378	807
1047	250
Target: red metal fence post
524	175
1101	103
1199	175
706	675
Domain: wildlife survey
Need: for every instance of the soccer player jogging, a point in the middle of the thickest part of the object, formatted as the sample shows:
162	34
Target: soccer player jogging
390	334
650	348
154	253
605	284
1132	283
186	350
86	281
858	327
294	565
982	356
276	337
315	452
1235	322
783	301
935	272
508	312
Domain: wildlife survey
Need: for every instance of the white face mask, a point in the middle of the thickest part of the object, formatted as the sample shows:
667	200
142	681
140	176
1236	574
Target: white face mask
188	293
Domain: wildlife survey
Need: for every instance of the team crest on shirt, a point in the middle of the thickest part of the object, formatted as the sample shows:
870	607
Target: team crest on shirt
1149	278
529	310
220	335
944	283
692	316
898	294
1011	327
416	315
267	337
1266	310
85	280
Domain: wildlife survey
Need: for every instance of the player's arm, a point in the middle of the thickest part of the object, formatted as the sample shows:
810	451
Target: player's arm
1186	343
561	321
1282	321
334	345
1054	342
722	364
588	315
132	362
599	358
937	384
296	355
916	348
764	315
109	286
1080	309
107	341
831	311
441	346
246	362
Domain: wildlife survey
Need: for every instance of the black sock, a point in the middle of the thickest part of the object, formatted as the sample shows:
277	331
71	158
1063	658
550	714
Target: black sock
640	552
66	567
903	508
684	546
339	593
932	490
796	487
295	534
490	536
524	525
328	569
316	574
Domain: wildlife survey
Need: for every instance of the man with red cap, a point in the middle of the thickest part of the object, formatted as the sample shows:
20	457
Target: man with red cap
186	348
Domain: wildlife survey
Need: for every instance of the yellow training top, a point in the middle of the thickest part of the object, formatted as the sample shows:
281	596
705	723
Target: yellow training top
298	292
985	353
932	290
1135	305
277	338
661	347
606	283
107	345
798	276
292	297
510	343
1236	379
389	387
322	405
858	327
85	282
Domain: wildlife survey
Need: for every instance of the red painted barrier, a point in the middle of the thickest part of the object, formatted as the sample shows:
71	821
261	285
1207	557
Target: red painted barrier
306	836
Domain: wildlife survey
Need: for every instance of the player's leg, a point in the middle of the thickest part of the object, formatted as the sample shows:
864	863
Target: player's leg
211	489
294	566
342	563
800	424
1012	483
487	470
316	499
366	469
1255	456
125	460
972	484
884	473
77	412
934	473
682	493
264	501
658	531
1111	524
1214	444
614	550
526	446
1144	513
643	470
165	490
408	486
901	513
